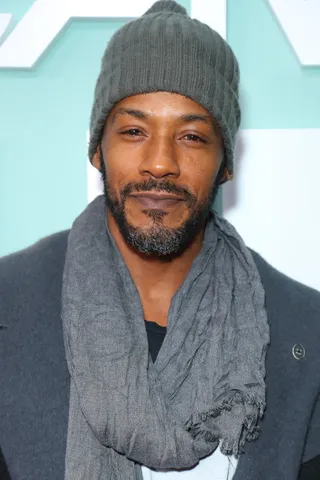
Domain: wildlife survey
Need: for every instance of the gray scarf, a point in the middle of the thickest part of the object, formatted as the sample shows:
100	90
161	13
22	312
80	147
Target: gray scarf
207	385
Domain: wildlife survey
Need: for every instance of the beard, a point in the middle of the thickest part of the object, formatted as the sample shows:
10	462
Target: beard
158	239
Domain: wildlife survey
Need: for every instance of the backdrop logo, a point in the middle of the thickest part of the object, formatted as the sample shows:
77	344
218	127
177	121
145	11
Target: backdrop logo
46	18
300	22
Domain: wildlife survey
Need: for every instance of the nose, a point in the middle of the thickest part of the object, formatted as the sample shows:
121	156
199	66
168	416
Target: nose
160	158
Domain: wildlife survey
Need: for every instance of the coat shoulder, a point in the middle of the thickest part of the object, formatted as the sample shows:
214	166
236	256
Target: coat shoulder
47	253
34	377
32	274
286	294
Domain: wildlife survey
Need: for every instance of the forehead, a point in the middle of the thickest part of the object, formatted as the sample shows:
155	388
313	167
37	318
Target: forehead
171	106
161	100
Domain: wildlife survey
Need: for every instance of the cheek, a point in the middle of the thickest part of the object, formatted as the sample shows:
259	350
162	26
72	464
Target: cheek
121	165
200	174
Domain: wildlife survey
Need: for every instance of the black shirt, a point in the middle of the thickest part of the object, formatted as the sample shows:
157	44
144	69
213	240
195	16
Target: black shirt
4	474
156	335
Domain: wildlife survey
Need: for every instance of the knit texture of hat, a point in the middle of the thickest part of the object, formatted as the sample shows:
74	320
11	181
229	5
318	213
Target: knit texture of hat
166	50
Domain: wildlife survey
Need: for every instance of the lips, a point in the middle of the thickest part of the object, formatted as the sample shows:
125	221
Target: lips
158	201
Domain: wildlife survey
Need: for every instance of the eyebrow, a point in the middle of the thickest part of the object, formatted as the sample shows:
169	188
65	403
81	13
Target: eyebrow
188	118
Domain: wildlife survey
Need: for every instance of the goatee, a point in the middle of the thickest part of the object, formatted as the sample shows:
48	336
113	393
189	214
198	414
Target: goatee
158	239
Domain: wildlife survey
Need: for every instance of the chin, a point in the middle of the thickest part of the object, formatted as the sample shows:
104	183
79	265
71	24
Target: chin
156	218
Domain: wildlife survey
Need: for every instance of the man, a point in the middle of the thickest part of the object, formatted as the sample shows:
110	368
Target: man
185	355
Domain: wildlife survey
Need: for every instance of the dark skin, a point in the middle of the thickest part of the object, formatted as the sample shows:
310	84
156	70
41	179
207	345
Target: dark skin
159	139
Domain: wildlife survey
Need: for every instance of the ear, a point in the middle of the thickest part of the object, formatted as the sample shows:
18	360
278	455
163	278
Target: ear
226	176
96	160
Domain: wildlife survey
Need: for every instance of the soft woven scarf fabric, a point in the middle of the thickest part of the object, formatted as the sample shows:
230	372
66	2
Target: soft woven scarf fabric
207	385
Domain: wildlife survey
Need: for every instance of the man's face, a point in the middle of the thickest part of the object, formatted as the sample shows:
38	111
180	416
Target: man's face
161	154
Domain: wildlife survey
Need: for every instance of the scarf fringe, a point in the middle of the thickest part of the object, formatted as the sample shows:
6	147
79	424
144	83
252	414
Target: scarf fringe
197	425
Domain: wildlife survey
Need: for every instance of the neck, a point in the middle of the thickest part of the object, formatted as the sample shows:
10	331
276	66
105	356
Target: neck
157	279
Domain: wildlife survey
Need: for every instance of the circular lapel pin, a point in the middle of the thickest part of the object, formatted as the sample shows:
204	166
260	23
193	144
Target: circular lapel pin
298	351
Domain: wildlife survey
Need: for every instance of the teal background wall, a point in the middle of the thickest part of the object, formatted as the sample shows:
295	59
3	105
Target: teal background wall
44	112
276	91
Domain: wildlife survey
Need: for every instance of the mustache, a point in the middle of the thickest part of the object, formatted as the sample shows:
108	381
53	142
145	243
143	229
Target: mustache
159	186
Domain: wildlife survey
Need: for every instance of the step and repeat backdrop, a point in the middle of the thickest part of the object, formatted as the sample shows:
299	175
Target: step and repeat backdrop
50	52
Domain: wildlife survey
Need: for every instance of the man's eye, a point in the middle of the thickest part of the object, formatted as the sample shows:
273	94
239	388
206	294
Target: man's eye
133	132
195	138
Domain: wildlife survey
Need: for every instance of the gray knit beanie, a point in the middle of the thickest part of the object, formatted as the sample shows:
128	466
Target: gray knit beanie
166	50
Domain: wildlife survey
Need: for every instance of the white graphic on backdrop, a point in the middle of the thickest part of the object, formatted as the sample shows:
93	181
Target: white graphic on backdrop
213	13
5	19
46	18
300	21
273	200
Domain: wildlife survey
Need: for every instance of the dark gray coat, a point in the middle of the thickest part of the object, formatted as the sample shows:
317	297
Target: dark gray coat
34	380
